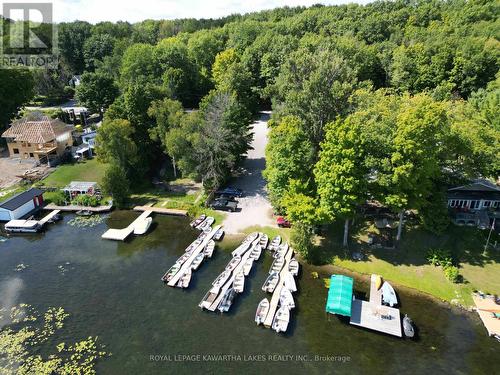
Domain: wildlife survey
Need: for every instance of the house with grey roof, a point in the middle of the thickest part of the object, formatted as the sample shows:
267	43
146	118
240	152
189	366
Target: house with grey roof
21	204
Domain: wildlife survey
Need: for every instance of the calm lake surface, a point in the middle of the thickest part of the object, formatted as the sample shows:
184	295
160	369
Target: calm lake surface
113	290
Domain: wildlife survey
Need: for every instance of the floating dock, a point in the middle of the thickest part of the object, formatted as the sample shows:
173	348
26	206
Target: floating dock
122	234
74	208
163	211
187	264
487	308
48	217
373	315
273	305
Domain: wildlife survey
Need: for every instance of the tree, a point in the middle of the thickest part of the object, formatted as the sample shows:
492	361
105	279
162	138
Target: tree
139	65
116	184
289	155
341	174
72	37
16	88
97	91
96	48
115	145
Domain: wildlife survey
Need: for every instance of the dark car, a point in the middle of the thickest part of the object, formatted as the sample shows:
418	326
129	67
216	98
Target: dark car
229	197
224	205
235	192
283	223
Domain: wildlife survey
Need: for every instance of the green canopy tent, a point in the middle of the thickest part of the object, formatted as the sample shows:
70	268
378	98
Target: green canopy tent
340	295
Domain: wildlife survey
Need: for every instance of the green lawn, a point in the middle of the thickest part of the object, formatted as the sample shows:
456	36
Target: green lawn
87	170
407	265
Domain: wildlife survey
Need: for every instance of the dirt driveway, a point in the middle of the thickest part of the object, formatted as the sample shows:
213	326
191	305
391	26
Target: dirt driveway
255	206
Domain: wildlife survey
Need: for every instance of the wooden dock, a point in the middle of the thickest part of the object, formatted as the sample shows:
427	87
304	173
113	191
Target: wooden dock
273	305
122	234
373	315
163	211
486	308
187	264
48	217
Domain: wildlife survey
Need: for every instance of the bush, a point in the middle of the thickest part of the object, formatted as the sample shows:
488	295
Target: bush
56	197
86	200
301	238
116	184
439	257
451	273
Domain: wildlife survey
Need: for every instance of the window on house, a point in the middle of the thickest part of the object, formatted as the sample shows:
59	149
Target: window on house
31	155
496	204
487	203
15	150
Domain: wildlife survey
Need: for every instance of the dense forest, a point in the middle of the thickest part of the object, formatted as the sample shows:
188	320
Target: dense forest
390	101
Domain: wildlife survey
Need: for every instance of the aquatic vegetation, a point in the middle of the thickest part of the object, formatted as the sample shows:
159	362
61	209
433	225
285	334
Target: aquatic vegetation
86	222
20	267
28	334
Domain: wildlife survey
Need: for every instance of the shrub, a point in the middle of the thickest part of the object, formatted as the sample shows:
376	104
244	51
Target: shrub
57	197
86	200
451	273
301	238
439	257
116	184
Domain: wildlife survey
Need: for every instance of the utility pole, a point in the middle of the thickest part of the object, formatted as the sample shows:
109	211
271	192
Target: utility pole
489	236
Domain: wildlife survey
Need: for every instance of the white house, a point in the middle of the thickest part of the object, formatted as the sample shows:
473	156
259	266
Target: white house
21	204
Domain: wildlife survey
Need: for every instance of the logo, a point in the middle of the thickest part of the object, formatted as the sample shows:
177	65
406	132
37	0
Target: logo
28	36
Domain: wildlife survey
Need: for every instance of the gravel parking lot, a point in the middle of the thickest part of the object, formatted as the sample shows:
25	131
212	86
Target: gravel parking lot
255	206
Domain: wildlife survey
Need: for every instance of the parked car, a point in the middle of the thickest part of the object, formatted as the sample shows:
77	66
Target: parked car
224	205
229	197
235	192
282	222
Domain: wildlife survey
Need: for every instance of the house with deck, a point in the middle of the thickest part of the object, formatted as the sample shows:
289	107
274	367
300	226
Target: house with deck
42	139
475	204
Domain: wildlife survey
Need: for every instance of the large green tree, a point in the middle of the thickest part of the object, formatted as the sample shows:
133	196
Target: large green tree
97	91
16	88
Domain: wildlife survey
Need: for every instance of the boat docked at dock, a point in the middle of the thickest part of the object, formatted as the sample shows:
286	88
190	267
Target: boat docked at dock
286	299
264	241
233	263
184	280
251	237
209	249
227	300
206	223
255	252
171	272
239	282
281	250
142	226
197	261
294	267
277	265
198	221
271	282
290	283
240	250
23	226
209	298
408	329
261	313
273	246
389	294
219	234
221	279
281	319
247	267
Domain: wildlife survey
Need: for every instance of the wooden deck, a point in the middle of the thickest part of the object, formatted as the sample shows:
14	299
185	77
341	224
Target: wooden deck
74	208
485	307
273	304
187	264
163	211
122	234
375	294
46	218
369	315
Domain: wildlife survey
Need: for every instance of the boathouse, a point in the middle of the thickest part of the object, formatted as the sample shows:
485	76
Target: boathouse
21	204
340	295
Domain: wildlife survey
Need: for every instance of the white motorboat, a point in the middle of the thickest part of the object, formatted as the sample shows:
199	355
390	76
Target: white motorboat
290	283
198	221
262	309
240	250
142	226
171	272
219	234
239	282
194	245
247	267
22	226
185	257
277	265
286	298
227	300
281	319
275	243
233	263
255	252
184	280
271	282
197	261
264	241
209	249
206	223
389	294
221	279
209	298
251	237
293	267
281	250
207	229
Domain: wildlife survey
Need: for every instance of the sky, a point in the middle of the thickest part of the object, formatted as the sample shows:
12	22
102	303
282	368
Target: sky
95	11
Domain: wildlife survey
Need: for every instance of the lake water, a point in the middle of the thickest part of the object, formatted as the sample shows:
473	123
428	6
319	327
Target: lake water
113	290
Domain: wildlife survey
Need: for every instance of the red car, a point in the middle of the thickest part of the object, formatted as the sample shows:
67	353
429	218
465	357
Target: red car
283	223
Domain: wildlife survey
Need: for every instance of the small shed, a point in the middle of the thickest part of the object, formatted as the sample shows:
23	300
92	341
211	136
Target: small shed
21	204
81	187
340	295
